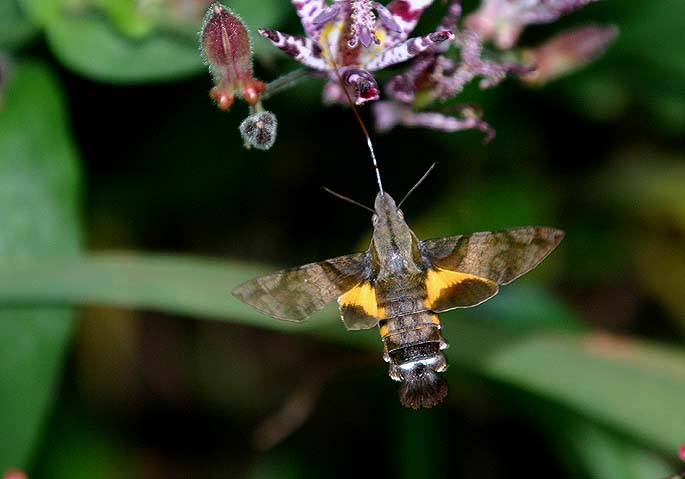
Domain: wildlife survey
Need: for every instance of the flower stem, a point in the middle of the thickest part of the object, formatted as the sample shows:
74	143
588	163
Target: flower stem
284	82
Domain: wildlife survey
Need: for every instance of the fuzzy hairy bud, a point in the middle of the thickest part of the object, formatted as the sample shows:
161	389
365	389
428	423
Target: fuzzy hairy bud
226	48
259	130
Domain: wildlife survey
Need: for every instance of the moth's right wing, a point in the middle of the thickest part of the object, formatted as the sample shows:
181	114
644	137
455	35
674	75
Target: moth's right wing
295	294
466	270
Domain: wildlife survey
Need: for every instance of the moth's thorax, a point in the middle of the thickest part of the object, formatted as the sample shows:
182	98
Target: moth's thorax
394	245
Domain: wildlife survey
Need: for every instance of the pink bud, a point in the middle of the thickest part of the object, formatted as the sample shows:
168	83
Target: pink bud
14	474
567	52
681	451
226	47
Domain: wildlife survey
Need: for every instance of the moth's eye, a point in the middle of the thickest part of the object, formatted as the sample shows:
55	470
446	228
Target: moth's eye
400	214
374	219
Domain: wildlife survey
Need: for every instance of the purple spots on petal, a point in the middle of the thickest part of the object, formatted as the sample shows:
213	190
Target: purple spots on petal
439	37
402	9
269	33
291	49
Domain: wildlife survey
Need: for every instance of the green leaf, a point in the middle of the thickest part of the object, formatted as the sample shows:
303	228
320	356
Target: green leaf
647	184
15	28
591	450
38	218
606	455
647	51
630	386
121	41
646	187
93	47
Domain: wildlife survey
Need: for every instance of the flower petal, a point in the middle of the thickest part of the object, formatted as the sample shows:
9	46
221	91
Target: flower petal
389	114
406	50
327	15
308	10
406	14
386	19
301	49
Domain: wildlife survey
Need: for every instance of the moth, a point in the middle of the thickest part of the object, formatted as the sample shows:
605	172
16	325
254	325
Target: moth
400	285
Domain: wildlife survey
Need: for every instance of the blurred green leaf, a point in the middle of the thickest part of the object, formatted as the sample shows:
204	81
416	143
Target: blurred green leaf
651	34
490	205
38	218
661	266
121	41
15	28
647	51
79	450
604	454
128	16
91	46
633	387
647	185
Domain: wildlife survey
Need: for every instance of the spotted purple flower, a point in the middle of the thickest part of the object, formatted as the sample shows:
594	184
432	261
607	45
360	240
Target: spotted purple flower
353	38
437	74
349	41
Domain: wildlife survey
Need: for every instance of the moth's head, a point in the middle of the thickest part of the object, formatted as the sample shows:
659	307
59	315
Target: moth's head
385	208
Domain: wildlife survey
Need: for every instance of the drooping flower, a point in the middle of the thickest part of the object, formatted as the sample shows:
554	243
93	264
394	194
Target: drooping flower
353	38
226	47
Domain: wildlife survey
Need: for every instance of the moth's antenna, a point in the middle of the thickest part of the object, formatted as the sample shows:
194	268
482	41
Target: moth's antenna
425	175
350	200
361	123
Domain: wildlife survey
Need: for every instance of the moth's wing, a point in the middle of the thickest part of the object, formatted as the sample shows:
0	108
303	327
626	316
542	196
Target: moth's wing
467	269
294	294
358	307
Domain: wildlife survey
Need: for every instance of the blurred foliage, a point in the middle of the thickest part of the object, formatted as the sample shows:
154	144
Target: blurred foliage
577	370
39	216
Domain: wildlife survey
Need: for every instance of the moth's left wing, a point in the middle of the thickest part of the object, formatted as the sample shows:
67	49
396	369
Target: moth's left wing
466	270
294	294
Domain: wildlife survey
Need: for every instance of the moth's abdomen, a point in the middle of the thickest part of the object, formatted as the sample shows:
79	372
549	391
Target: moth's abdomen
413	348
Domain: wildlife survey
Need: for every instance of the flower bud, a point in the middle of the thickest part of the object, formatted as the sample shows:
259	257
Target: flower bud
14	474
259	130
226	48
567	51
504	20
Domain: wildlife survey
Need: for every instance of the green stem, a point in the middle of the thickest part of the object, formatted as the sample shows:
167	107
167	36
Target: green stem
284	82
